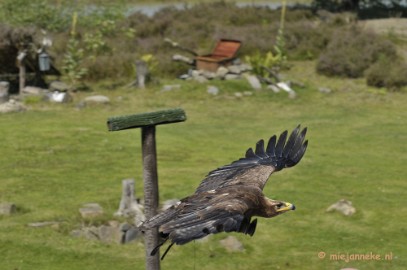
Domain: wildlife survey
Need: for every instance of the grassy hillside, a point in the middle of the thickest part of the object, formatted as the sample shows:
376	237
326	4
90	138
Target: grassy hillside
54	158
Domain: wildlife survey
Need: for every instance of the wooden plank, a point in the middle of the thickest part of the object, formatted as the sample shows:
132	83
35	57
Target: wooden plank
226	48
146	119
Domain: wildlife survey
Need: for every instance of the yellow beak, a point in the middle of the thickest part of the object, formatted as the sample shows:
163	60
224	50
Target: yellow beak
288	206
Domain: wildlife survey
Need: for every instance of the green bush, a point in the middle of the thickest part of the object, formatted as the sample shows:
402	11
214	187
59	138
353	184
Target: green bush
352	51
38	13
388	73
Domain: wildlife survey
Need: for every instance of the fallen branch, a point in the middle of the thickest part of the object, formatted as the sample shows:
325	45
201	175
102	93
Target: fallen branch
176	45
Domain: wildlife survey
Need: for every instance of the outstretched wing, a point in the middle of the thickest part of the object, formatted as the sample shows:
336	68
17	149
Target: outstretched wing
256	167
209	213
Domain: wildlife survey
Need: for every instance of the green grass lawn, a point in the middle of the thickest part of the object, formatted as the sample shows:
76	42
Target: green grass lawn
54	158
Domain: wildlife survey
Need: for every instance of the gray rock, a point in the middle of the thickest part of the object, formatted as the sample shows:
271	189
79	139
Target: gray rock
297	84
97	99
200	79
343	206
324	90
12	106
138	214
185	77
285	86
221	72
238	94
32	90
169	87
43	224
231	244
208	74
91	210
130	233
253	81
212	90
247	93
245	67
273	88
7	208
58	86
59	97
90	233
196	73
234	69
4	88
110	234
292	95
229	77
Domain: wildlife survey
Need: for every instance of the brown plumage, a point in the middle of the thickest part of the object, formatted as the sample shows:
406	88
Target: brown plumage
228	198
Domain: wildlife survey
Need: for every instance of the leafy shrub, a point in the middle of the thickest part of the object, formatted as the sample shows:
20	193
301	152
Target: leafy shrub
107	66
258	61
352	51
11	40
37	13
388	73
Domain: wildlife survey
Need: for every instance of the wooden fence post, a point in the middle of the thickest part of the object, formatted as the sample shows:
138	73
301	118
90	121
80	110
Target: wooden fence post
147	122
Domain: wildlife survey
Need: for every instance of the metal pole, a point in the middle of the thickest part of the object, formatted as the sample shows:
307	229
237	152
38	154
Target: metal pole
150	193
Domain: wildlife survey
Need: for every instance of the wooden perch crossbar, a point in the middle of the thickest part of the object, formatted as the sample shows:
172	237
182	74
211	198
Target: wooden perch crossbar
146	119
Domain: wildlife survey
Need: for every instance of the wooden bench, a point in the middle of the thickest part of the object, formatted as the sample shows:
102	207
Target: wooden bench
222	55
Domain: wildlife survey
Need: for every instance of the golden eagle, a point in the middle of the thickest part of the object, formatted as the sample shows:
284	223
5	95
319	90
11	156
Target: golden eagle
228	198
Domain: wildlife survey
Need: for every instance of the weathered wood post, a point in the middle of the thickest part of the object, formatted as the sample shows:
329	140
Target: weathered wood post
21	66
147	123
4	88
142	72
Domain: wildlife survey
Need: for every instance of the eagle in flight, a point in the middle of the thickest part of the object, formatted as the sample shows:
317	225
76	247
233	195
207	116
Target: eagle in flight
228	198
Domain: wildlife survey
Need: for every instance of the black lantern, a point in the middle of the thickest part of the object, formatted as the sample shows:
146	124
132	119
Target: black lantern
44	61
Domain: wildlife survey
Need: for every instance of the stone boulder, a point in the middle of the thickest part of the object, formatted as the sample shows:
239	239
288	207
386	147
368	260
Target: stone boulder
212	90
58	86
254	82
12	106
112	232
97	99
4	94
59	97
129	233
343	206
91	210
33	91
7	208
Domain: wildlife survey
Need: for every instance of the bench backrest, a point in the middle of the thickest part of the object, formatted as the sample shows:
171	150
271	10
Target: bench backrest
226	48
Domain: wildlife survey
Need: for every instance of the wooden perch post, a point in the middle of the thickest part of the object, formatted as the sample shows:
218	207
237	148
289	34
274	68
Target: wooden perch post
147	123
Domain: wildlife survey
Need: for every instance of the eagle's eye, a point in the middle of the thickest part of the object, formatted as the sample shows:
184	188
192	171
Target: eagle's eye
279	205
